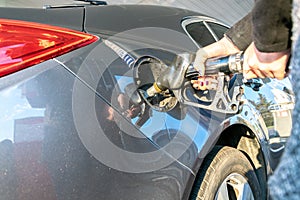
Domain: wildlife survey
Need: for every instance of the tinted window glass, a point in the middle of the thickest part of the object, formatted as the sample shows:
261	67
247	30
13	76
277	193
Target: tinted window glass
200	33
218	29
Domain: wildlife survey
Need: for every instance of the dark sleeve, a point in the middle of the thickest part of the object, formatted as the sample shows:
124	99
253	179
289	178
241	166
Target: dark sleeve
272	25
240	33
269	25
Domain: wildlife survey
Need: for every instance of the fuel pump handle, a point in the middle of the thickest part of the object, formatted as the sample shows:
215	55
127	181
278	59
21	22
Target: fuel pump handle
182	69
228	65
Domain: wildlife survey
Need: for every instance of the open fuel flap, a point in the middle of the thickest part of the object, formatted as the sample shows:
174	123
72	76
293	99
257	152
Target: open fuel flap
146	72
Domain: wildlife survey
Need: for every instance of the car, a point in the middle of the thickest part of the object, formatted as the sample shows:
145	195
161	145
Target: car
76	121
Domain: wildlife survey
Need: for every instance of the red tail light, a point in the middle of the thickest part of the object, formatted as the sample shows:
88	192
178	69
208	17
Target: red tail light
23	44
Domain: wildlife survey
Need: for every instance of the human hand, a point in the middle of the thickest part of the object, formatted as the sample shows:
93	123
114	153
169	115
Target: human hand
222	47
264	64
199	62
205	83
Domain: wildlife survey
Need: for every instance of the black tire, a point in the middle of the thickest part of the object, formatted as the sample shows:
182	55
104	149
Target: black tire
232	168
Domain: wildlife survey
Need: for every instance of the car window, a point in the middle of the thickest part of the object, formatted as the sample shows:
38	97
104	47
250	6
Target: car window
199	32
218	29
203	30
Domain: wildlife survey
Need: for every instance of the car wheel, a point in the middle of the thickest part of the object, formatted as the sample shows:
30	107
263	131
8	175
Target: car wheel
226	174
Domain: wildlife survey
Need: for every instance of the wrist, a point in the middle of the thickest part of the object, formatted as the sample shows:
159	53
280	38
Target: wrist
227	44
269	57
222	47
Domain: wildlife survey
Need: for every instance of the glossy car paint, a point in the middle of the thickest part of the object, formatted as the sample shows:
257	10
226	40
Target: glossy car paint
51	113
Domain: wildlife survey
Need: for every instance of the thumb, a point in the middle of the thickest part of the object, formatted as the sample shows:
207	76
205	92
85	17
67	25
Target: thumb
246	69
201	57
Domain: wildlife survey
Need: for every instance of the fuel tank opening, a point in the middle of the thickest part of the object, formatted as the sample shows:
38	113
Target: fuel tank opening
146	71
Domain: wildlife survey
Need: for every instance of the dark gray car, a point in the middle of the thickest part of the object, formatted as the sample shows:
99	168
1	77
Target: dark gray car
75	123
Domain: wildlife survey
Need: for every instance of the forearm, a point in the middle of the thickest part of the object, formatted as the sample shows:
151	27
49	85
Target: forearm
272	25
269	25
240	33
223	47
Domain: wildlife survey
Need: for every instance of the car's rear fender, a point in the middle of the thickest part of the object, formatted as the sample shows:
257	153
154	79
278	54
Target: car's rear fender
246	133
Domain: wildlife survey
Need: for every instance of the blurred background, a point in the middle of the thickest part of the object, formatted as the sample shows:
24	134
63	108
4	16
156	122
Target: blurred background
228	11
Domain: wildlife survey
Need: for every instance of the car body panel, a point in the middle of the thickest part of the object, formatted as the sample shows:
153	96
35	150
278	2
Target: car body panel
137	16
43	156
66	135
54	17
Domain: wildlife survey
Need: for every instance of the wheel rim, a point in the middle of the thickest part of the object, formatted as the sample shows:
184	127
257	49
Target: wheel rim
234	187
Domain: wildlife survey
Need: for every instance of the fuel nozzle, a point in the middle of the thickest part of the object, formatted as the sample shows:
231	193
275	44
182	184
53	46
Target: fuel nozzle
154	89
228	65
162	92
173	76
